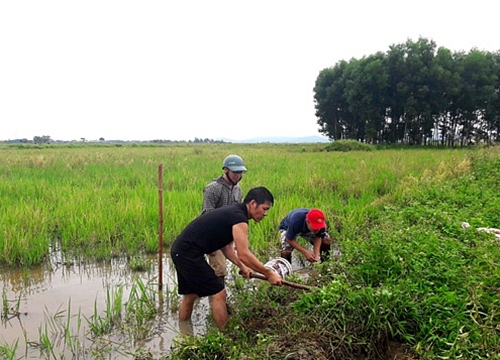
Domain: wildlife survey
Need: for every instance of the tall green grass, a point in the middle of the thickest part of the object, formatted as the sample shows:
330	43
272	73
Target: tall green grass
409	274
409	278
102	201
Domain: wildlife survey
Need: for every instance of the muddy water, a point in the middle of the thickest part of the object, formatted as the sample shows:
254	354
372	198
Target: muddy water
56	299
55	296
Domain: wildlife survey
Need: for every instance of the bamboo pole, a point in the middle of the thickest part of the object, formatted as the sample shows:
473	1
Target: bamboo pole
160	227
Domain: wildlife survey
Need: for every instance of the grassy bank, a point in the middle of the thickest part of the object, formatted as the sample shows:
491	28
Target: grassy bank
411	283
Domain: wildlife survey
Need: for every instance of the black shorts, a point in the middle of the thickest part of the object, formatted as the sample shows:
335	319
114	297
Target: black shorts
195	275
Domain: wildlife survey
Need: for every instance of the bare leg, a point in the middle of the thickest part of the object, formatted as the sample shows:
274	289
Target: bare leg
186	327
287	254
324	252
186	307
217	261
219	309
325	249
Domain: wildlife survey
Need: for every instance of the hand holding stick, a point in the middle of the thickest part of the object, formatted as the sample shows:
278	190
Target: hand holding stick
284	282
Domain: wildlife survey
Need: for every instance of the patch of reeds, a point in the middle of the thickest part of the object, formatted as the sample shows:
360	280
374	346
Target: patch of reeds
101	325
8	352
10	308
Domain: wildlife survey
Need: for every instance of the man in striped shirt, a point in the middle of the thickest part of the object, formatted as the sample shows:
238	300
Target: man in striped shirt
221	191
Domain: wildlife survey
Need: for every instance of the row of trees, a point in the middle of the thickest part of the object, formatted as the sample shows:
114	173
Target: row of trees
415	93
196	140
45	139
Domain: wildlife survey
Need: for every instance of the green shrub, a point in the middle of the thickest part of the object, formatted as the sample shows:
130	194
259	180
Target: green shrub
348	145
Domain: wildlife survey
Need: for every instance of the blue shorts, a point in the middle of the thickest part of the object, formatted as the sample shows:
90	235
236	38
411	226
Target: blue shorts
195	275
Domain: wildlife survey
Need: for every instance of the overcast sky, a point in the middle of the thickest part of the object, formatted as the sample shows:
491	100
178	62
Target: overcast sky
144	70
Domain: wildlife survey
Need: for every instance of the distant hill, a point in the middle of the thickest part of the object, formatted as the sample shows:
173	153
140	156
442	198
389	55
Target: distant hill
280	139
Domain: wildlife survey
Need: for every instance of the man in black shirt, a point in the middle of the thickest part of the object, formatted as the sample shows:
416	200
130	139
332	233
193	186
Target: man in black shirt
225	228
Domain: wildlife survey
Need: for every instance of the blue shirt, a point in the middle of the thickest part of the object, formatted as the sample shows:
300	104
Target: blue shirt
295	224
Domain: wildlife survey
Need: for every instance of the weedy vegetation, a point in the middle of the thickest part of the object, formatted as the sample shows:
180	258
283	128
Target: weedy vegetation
8	352
10	307
411	282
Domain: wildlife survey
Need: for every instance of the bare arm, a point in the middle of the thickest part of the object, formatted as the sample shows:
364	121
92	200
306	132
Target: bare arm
317	246
240	236
310	256
230	254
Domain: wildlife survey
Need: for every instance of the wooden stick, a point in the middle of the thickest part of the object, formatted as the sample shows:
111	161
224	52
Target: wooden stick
160	227
284	282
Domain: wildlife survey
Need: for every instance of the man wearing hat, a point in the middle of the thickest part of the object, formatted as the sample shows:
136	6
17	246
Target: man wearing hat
310	225
222	191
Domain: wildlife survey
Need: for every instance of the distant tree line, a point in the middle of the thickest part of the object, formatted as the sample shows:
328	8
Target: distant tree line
415	93
196	140
46	139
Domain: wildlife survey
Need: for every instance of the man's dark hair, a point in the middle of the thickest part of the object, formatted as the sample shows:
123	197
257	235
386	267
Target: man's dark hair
260	195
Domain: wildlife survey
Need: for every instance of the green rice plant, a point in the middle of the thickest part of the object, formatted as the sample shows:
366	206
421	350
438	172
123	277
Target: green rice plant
103	325
114	305
103	349
141	308
98	325
57	335
169	297
8	310
45	343
8	352
25	224
71	339
140	264
5	305
102	201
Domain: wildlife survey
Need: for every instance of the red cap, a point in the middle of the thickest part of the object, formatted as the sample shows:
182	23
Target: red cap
316	218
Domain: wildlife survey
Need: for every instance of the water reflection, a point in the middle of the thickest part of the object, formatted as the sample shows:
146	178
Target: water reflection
54	295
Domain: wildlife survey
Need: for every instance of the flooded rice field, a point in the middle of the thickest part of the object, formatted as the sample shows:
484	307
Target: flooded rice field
106	310
46	310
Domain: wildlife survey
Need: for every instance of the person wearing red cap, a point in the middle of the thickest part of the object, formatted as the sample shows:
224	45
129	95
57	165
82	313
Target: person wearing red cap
310	225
